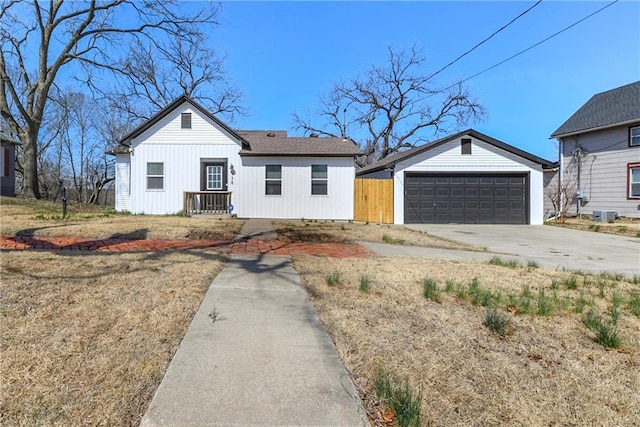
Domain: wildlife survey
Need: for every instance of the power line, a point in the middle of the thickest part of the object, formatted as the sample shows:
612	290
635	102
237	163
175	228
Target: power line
483	41
532	46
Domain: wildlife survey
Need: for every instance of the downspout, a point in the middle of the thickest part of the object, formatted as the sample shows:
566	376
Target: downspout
560	176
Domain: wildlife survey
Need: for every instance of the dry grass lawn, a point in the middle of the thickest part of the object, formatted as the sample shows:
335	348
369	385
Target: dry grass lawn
621	226
86	337
324	231
547	370
41	218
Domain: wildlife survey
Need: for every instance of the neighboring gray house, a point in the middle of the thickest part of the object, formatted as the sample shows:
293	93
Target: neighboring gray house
7	165
599	153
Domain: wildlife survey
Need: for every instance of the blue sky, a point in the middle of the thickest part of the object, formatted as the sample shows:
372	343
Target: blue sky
282	55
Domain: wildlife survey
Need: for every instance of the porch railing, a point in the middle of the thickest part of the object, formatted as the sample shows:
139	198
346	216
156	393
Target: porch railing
206	202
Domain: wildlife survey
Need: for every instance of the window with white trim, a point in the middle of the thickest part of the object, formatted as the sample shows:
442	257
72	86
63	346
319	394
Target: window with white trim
273	180
185	120
634	180
155	176
319	180
634	136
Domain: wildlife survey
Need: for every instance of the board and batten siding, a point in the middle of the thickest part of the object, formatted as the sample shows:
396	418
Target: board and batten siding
603	171
123	183
181	151
296	200
484	158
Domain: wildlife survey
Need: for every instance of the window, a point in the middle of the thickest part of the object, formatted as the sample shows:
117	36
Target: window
633	175
273	180
155	176
466	146
634	136
214	177
319	180
186	120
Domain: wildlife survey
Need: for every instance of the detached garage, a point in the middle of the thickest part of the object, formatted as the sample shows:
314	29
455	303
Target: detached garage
466	178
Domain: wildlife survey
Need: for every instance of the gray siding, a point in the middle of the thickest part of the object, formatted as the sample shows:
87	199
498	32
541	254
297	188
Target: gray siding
550	181
603	170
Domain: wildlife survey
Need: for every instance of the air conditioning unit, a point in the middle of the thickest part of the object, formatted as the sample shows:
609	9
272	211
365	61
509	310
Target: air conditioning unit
603	216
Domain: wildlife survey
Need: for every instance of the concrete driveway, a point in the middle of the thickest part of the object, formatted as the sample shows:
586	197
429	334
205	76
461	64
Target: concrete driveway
551	247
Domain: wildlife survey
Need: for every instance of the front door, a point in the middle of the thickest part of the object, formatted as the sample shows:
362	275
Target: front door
213	178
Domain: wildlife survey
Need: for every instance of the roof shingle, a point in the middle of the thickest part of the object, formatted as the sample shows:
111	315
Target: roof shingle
277	143
615	106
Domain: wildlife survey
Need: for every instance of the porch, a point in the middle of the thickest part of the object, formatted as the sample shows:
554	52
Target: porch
206	202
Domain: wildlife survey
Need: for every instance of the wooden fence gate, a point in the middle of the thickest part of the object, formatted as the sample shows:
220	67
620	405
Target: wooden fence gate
374	200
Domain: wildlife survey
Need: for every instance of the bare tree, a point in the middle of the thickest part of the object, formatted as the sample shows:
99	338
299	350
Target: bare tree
561	194
394	106
153	76
88	35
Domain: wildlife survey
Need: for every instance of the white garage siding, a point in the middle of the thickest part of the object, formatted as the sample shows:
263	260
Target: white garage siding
123	183
484	158
296	200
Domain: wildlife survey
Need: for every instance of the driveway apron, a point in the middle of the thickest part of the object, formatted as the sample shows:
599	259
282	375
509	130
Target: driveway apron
255	355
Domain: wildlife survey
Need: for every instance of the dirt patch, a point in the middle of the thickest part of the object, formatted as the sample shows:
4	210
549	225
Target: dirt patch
39	218
546	371
211	234
621	226
86	338
329	231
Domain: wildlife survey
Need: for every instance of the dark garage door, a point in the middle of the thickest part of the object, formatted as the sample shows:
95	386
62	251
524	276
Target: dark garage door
465	199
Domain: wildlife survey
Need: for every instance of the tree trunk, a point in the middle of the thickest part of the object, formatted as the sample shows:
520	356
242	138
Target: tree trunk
93	200
30	185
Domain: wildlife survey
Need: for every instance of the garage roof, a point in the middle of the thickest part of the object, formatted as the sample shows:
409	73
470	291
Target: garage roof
391	161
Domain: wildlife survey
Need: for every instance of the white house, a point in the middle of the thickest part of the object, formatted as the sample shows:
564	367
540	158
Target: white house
468	178
184	158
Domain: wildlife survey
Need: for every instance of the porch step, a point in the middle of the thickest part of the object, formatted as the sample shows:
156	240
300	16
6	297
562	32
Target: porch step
214	216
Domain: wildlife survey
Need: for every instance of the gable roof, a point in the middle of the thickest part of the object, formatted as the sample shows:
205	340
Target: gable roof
169	108
613	107
5	138
391	161
254	142
277	143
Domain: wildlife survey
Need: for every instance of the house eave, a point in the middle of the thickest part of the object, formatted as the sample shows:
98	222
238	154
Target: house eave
603	127
250	154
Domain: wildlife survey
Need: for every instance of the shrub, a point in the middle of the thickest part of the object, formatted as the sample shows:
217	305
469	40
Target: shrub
333	279
634	304
365	284
570	282
430	289
388	239
511	263
403	399
581	303
545	305
532	264
616	307
594	227
496	322
607	334
449	285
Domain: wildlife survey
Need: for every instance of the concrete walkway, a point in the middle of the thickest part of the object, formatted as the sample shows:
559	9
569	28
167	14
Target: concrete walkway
256	355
